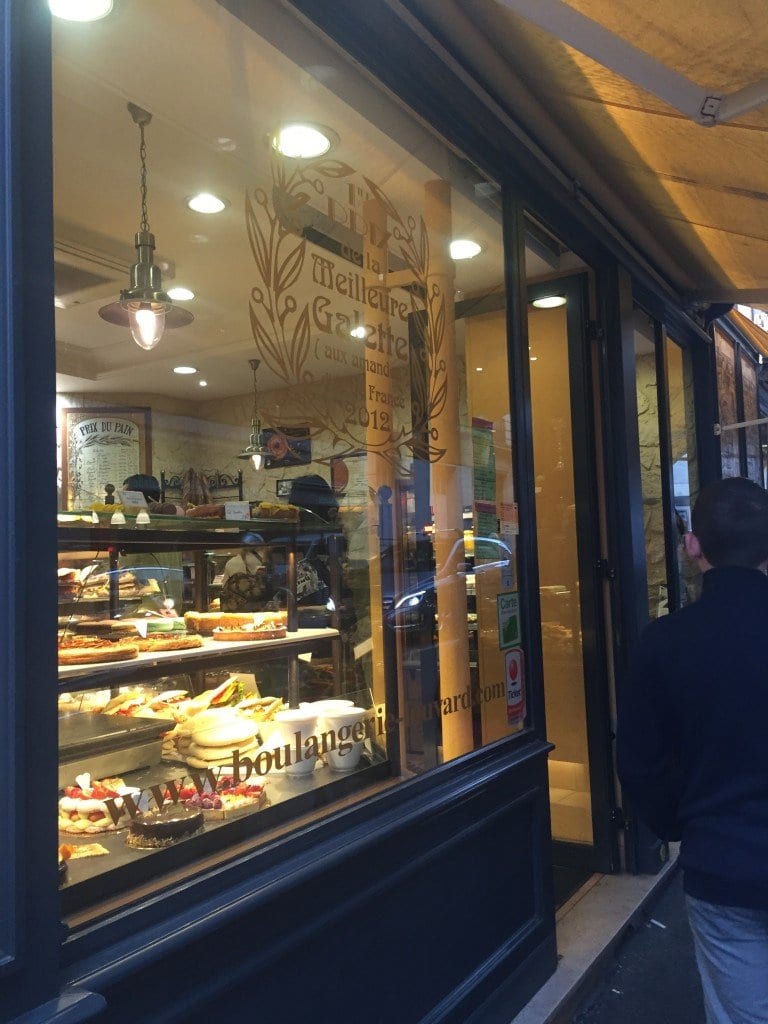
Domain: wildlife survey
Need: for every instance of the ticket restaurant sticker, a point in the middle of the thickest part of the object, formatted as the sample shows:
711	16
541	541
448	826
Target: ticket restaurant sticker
508	611
514	675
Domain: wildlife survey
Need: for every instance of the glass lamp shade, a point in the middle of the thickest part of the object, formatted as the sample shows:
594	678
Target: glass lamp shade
254	452
147	326
144	307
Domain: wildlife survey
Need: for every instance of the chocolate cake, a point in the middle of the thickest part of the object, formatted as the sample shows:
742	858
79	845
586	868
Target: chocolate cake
162	828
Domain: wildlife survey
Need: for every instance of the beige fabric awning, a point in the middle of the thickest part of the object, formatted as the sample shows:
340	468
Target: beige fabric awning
693	199
754	334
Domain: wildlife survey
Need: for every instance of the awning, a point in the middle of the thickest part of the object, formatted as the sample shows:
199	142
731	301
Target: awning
755	335
693	199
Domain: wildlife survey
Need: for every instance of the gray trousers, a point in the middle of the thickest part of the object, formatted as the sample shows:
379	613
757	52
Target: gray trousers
732	955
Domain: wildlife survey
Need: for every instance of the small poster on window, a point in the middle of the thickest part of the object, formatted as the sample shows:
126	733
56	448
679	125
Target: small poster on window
514	664
508	611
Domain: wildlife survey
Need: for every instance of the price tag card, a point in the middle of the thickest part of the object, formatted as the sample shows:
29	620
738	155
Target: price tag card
237	510
133	499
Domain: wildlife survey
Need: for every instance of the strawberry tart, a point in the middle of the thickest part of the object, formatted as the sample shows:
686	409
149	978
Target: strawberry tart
92	806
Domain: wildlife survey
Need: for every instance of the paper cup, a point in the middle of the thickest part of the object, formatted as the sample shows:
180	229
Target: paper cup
342	726
292	721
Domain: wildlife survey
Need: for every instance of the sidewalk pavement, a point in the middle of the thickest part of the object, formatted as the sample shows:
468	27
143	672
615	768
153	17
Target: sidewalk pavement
593	928
653	978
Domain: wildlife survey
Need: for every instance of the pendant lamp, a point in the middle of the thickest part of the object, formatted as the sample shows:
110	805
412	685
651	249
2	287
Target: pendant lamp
144	307
255	450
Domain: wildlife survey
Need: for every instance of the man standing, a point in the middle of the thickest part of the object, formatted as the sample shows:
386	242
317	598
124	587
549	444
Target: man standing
693	746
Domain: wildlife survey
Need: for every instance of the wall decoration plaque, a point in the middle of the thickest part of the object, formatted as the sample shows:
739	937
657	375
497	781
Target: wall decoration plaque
100	446
287	446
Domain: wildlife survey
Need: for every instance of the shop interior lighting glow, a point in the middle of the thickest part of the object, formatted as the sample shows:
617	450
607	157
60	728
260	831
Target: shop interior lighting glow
179	294
464	249
206	202
301	141
549	301
80	10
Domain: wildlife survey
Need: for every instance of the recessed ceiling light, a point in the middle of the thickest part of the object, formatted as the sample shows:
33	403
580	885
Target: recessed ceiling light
226	145
479	369
203	383
549	301
182	370
464	249
206	202
179	294
301	141
534	359
80	10
360	332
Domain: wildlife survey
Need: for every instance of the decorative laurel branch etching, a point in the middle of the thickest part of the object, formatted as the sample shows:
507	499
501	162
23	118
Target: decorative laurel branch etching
281	326
122	442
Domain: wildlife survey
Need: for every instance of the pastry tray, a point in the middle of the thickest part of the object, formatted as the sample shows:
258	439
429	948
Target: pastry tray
107	745
85	732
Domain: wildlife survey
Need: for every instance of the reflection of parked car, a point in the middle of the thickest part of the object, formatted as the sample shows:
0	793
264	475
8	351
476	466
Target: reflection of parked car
415	608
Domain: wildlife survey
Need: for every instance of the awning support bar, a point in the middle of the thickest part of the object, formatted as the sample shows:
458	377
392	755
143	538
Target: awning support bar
719	429
706	107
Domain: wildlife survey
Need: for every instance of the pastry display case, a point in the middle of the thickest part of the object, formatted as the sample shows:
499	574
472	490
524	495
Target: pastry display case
185	728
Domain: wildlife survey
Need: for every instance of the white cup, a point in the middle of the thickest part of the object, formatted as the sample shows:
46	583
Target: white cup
320	707
292	721
343	725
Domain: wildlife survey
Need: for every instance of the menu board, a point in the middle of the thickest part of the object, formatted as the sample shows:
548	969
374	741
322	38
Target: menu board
102	446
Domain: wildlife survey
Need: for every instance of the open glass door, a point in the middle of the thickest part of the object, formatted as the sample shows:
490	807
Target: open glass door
568	513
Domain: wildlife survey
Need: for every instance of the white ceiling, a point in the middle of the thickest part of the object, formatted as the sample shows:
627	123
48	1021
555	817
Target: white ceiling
205	78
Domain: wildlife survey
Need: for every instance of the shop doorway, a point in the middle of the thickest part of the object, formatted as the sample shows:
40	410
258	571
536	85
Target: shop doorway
568	514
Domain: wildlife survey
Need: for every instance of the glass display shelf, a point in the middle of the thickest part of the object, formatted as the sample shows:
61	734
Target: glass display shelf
213	654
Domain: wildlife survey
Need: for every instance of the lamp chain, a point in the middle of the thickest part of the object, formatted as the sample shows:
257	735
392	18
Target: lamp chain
143	158
255	398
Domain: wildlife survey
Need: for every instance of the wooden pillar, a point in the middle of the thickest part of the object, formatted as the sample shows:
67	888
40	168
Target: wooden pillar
453	644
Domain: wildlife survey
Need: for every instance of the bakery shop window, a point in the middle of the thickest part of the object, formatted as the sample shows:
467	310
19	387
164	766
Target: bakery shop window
287	513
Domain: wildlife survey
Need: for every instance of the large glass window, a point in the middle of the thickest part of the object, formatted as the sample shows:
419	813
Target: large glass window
683	456
651	475
728	403
567	534
559	574
288	518
751	413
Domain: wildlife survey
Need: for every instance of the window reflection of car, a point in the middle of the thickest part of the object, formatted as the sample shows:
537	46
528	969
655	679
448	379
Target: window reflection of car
415	608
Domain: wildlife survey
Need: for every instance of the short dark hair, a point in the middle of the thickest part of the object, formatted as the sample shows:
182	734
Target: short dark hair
145	484
730	520
312	492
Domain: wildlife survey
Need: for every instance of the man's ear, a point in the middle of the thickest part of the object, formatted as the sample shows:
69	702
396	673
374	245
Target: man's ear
692	546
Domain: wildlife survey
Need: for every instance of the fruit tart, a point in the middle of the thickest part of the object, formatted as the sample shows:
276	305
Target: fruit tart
90	806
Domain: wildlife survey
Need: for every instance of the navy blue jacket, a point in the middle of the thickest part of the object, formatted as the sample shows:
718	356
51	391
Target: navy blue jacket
693	736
